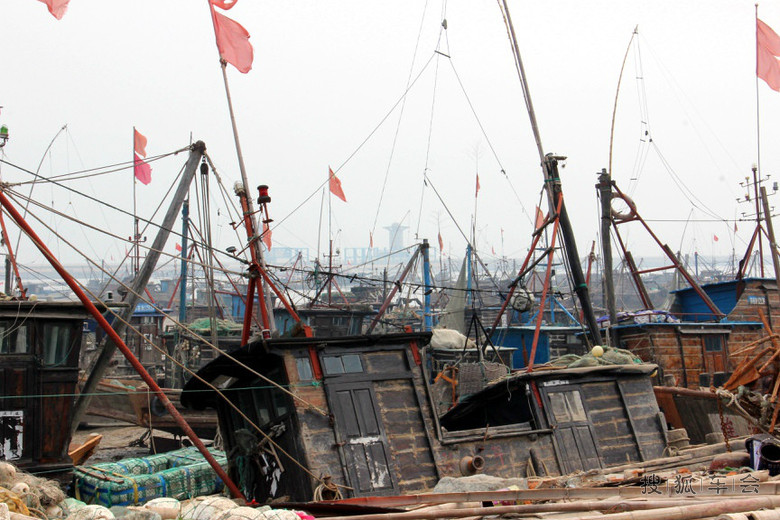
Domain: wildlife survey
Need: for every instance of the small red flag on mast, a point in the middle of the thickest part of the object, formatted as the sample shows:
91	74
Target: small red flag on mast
477	191
232	38
267	235
141	169
767	52
56	7
441	242
335	186
143	172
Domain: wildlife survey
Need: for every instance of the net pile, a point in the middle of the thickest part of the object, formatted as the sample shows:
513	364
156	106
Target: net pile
180	474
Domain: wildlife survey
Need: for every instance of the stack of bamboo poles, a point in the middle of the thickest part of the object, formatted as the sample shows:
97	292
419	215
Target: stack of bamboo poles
736	502
747	373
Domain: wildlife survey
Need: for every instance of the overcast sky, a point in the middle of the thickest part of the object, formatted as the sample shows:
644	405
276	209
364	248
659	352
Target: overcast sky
327	73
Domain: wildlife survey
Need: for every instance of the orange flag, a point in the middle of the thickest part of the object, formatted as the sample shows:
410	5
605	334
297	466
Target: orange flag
767	52
441	242
267	235
335	186
370	240
57	7
477	192
232	38
139	143
539	219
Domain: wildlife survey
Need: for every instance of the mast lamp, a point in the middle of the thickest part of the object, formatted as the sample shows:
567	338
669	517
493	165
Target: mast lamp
264	197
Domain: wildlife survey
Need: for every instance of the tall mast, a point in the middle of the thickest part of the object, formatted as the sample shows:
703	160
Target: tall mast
249	219
554	194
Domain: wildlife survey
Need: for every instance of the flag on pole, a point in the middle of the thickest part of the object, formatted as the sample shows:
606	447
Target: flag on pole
441	242
539	219
267	235
335	186
370	240
477	190
56	7
232	38
178	248
735	226
143	172
715	238
493	250
139	143
767	52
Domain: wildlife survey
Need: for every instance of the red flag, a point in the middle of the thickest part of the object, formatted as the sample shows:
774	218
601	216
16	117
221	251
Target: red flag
267	235
224	4
143	172
56	7
493	249
477	192
139	143
767	51
370	240
539	219
715	238
232	41
735	227
178	248
441	242
335	186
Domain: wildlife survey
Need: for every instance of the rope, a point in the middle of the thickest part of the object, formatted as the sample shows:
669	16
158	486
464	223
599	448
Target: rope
142	298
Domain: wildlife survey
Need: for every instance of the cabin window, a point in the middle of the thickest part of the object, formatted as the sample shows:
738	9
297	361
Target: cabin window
567	406
13	338
58	342
510	411
305	373
713	343
344	364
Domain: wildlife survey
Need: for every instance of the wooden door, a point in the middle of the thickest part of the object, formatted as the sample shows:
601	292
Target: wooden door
572	431
362	438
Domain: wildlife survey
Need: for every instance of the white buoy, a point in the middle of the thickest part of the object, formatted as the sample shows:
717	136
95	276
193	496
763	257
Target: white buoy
597	351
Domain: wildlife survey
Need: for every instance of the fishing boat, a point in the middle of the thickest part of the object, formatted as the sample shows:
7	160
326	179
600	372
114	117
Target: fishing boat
39	356
362	415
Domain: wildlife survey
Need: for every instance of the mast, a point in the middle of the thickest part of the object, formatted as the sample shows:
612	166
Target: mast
249	211
605	193
139	283
554	193
427	318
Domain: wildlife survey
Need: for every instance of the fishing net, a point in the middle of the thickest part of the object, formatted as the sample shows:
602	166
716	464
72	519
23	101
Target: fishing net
179	474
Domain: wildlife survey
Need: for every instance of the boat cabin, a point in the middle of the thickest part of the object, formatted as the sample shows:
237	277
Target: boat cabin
370	416
40	343
694	349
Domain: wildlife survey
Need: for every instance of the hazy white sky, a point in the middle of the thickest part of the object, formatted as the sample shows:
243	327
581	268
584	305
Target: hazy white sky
326	73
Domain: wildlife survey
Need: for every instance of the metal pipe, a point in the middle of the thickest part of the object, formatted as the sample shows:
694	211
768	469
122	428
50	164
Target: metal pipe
120	344
427	317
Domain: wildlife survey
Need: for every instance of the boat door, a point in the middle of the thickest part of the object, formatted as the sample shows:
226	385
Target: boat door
572	431
17	383
361	438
